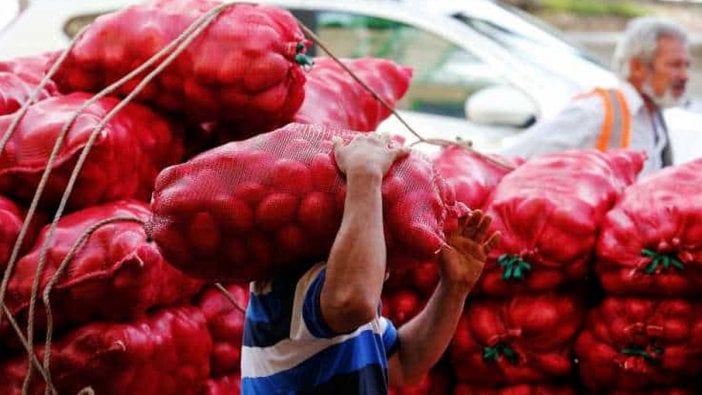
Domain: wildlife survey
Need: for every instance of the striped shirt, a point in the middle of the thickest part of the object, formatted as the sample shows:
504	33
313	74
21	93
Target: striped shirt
289	349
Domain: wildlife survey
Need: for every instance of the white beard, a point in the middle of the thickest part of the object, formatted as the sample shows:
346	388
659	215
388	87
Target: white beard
667	100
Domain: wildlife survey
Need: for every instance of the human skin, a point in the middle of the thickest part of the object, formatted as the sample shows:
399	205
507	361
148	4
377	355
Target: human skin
667	72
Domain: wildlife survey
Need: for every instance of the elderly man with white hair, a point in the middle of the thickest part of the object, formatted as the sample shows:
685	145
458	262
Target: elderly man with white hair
652	60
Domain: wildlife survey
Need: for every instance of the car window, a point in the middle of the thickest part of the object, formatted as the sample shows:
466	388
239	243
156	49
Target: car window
536	44
445	75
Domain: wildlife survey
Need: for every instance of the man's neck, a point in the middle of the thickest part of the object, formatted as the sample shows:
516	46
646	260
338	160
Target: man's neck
651	107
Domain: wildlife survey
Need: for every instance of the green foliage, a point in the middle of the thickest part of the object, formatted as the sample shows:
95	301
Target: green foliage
625	9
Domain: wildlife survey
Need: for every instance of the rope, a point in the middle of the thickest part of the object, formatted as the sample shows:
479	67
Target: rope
353	75
29	350
13	126
441	142
193	31
35	93
468	146
54	279
229	296
111	88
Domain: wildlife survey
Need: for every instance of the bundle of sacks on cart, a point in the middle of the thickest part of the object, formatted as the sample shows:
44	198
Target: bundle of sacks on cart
156	162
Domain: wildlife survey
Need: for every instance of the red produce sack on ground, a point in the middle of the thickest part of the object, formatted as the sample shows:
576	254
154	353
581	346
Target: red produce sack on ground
521	340
226	324
549	211
436	382
248	209
402	305
641	344
415	275
471	175
116	275
227	385
523	389
651	241
241	69
165	353
660	391
123	163
18	79
333	97
11	220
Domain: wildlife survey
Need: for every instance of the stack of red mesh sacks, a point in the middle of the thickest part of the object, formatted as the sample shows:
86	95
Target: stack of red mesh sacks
646	335
225	321
472	177
519	326
123	320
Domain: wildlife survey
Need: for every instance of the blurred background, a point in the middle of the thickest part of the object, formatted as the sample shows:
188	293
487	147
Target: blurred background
595	24
592	25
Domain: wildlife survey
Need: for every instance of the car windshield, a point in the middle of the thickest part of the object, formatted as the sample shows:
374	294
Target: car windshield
533	42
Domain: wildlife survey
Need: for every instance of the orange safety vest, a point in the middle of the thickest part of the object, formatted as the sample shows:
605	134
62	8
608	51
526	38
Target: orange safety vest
616	129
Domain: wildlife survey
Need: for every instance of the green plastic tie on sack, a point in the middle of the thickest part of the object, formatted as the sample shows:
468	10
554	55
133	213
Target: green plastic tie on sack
514	268
640	352
658	260
491	354
301	58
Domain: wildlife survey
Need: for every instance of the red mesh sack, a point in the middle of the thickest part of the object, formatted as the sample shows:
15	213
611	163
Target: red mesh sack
436	382
409	274
549	211
11	220
227	385
402	305
243	68
522	389
117	274
226	324
471	175
248	209
638	344
524	339
659	391
18	79
165	353
333	97
123	163
651	242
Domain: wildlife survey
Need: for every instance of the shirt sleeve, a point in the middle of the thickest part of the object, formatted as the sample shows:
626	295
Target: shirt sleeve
312	310
391	340
577	126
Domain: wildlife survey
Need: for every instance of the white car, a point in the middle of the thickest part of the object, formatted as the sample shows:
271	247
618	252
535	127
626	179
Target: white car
482	72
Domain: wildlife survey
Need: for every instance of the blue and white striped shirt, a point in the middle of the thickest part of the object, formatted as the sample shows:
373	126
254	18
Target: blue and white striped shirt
289	349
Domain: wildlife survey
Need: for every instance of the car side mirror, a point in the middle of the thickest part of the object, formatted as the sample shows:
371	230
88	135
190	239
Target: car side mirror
502	105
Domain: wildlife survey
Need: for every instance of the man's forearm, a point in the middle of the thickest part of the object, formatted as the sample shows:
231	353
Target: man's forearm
425	338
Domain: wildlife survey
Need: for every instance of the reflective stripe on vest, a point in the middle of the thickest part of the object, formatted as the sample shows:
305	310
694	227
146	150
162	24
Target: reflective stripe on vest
616	128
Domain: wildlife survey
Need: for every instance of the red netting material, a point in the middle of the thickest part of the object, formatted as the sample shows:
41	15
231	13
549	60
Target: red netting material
248	209
163	353
470	174
116	275
128	153
651	241
549	212
640	344
11	219
242	68
19	77
522	339
333	97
